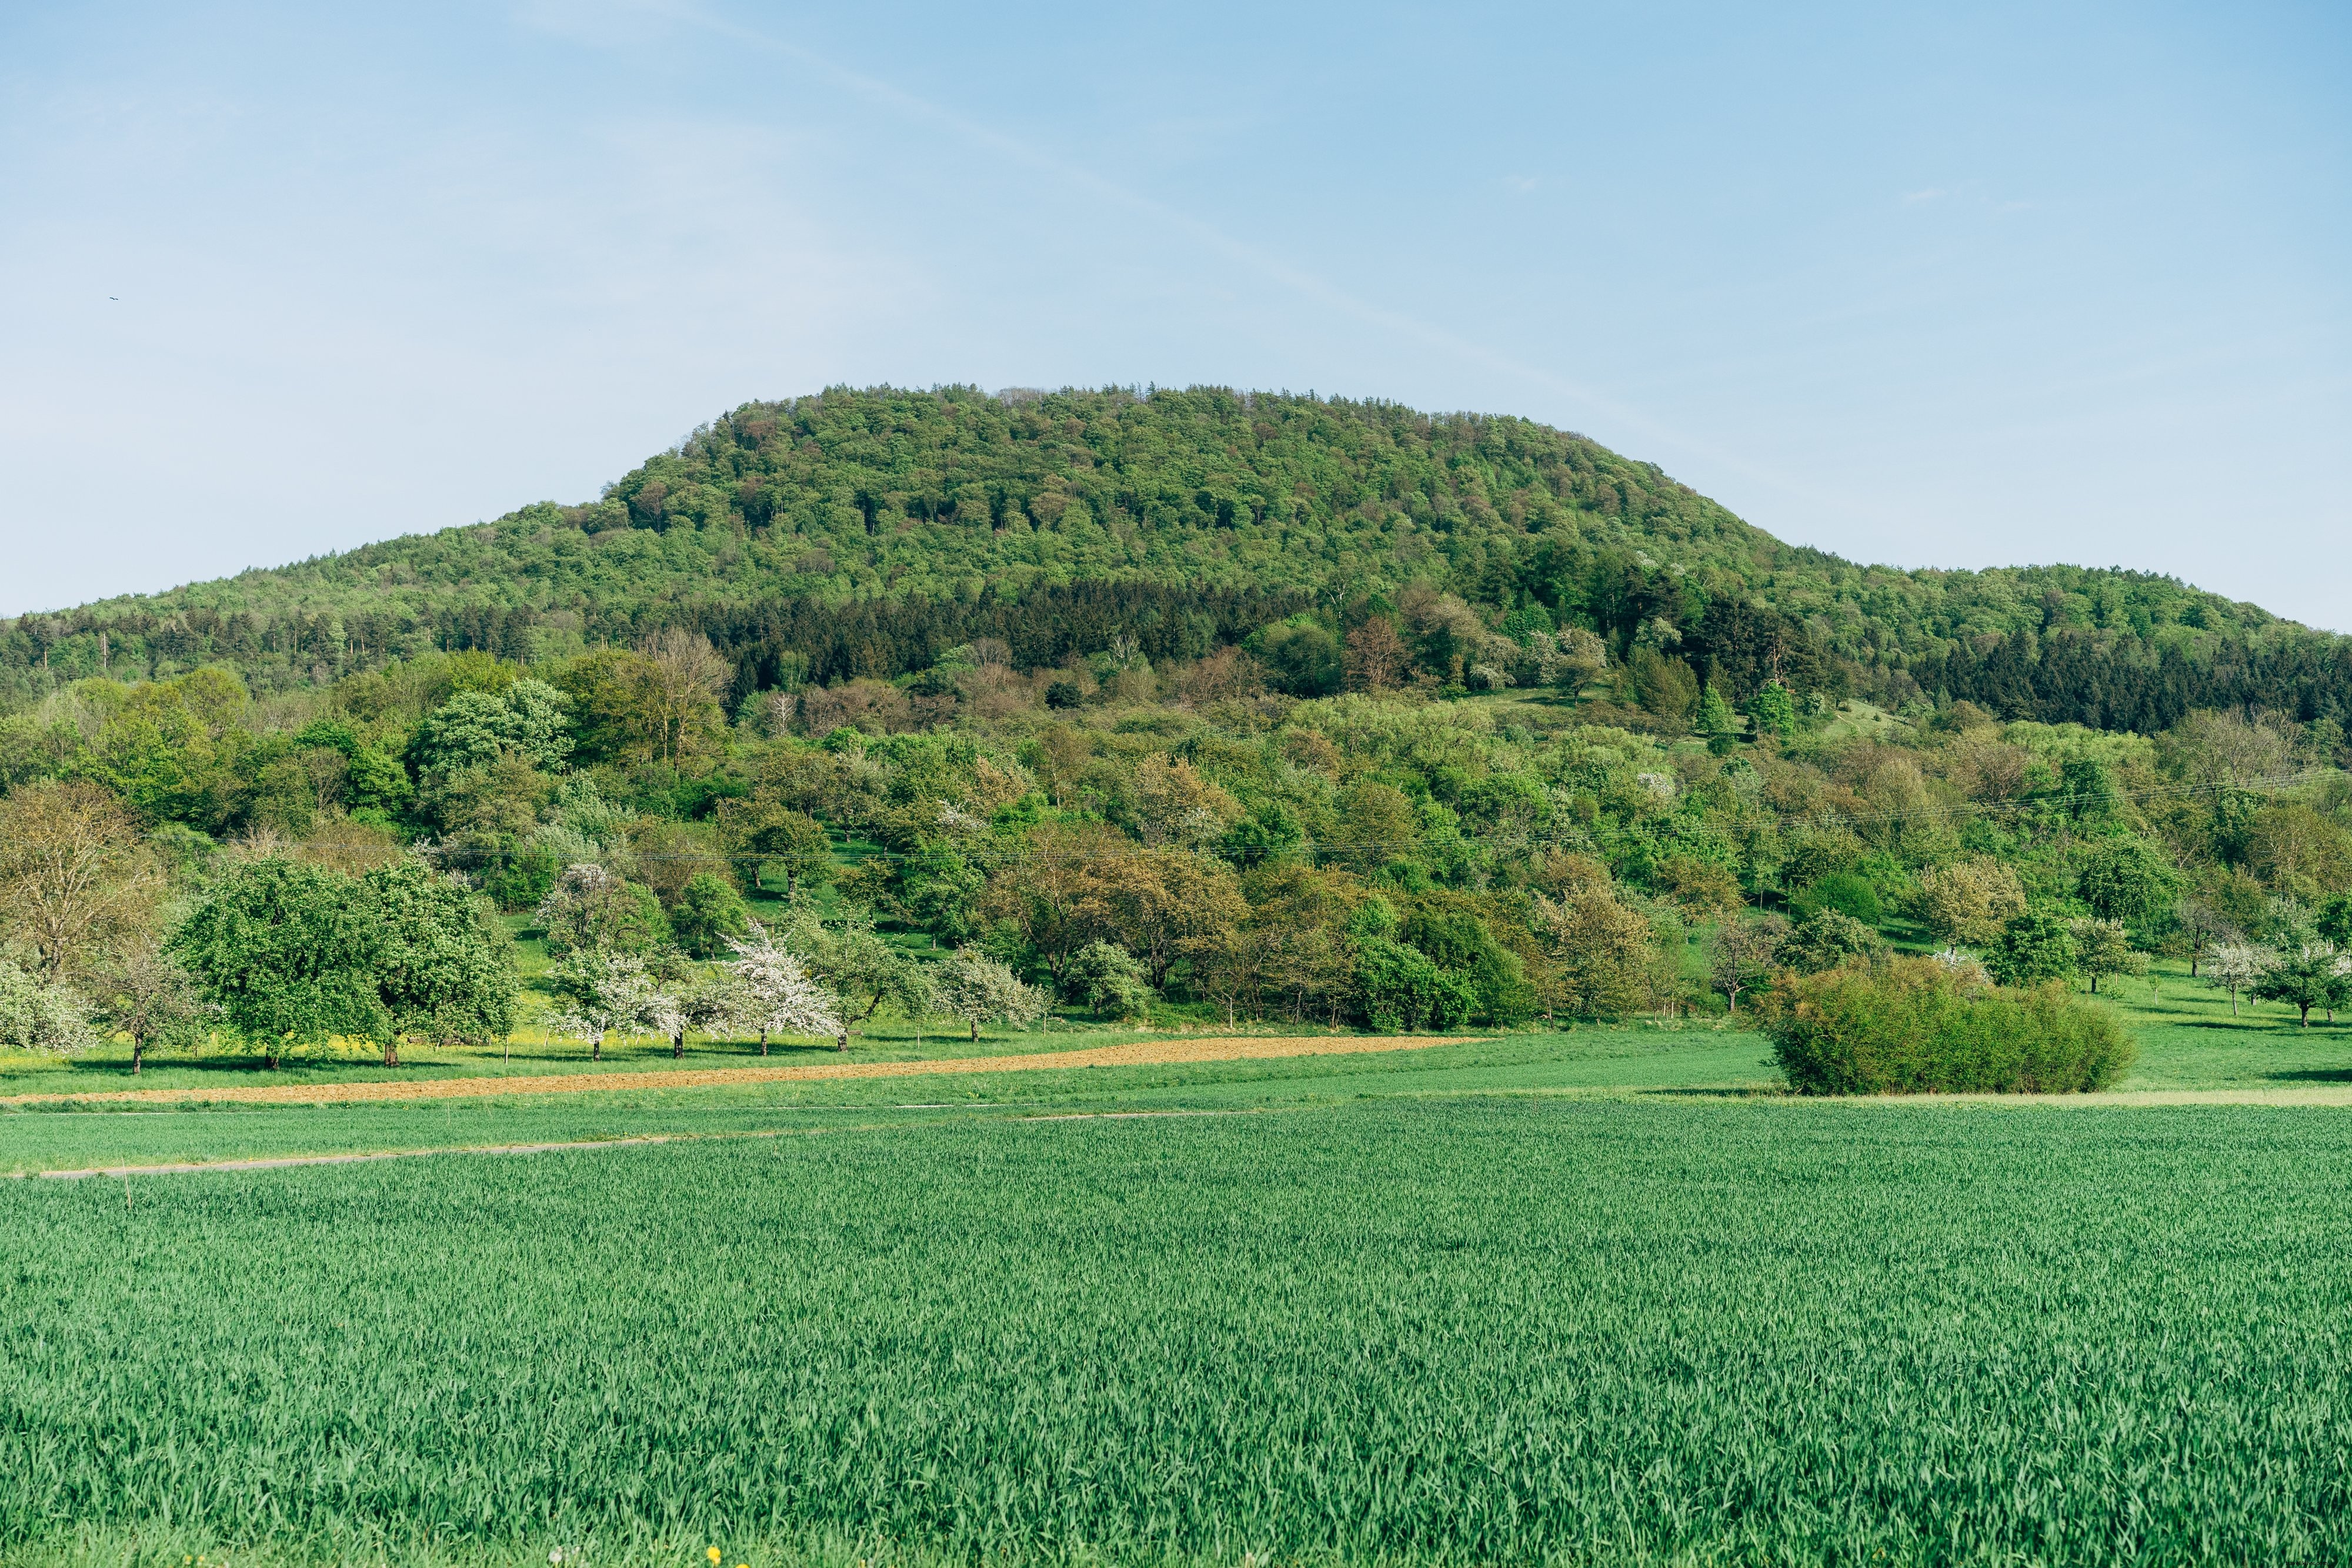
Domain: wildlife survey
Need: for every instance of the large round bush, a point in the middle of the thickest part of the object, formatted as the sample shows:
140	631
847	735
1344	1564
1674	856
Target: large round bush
1914	1026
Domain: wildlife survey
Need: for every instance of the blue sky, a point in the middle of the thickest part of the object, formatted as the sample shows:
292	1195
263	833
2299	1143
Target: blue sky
1934	286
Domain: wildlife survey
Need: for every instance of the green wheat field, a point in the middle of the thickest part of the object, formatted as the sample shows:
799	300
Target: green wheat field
1603	1295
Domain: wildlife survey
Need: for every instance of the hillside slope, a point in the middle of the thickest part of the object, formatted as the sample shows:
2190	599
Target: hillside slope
862	532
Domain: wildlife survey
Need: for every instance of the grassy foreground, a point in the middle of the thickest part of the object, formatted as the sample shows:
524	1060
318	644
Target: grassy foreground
1591	1297
1468	1329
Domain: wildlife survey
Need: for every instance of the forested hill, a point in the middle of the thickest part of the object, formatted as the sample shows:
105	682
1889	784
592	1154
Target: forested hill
867	532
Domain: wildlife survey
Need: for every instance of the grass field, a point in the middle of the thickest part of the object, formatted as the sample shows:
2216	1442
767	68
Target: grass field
1596	1296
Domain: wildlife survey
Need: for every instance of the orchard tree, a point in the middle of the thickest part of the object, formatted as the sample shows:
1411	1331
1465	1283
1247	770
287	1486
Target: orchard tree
1966	902
675	1004
976	989
447	968
865	972
148	995
1109	980
591	907
709	915
2306	976
597	992
1826	938
780	995
1602	950
290	955
2032	948
2127	881
1741	953
2103	947
2235	966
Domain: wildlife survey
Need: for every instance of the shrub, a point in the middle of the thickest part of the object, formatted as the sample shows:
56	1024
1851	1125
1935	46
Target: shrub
1402	990
1913	1026
38	1015
1850	893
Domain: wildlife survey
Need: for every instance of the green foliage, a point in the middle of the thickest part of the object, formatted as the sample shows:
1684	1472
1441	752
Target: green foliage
1303	657
41	1015
473	729
1911	1025
2304	976
288	953
2102	948
2033	948
1773	709
822	536
1848	893
592	908
1826	938
2128	879
444	967
1462	945
1401	990
1109	980
1716	723
708	916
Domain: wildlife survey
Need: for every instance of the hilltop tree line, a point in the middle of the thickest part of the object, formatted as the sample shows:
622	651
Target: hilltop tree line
861	533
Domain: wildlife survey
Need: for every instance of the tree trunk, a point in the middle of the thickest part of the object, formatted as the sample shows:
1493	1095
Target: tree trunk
975	1031
596	1049
2306	1006
843	1043
270	1060
763	1042
678	1047
2095	985
391	1051
138	1050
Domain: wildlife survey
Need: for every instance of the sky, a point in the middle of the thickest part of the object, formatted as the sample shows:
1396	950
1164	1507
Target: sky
1928	285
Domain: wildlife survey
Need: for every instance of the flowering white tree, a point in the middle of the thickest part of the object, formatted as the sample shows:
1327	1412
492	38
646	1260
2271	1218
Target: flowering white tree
777	994
979	990
2234	966
600	992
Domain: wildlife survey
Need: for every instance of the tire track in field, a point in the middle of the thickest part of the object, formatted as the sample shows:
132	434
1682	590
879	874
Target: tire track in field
1141	1053
641	1140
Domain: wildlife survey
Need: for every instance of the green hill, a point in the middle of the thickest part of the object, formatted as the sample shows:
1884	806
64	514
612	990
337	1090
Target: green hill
865	533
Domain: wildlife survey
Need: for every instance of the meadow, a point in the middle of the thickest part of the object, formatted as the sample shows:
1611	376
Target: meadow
1595	1296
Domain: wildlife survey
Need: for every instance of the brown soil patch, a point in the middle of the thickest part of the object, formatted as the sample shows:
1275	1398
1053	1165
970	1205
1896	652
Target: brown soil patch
1142	1053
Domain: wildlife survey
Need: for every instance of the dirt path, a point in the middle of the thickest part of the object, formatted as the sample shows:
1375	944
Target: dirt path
1142	1053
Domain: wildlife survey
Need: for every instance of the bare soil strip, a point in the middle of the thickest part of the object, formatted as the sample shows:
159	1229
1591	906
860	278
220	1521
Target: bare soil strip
1142	1053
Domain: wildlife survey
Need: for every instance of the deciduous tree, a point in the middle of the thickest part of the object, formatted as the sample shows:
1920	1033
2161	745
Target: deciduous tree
977	989
76	880
288	952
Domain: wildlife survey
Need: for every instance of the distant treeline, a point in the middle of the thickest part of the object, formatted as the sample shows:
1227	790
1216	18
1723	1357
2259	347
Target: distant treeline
861	533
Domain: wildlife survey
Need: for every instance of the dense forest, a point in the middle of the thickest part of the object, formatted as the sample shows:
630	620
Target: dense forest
1201	703
865	533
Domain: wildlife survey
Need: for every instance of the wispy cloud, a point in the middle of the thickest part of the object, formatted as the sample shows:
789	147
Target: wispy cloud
1623	419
